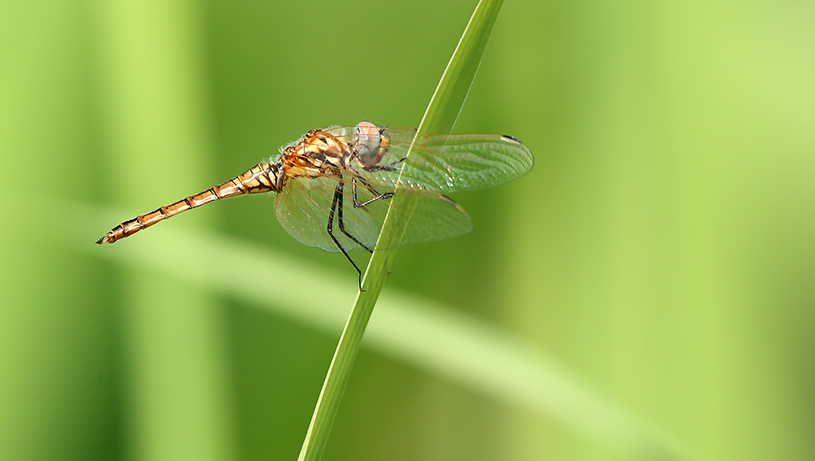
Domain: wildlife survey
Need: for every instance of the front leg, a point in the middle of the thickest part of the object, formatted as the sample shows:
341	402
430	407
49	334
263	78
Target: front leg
377	195
389	167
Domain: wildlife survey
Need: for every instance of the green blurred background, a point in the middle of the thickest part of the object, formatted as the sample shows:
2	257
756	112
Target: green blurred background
661	252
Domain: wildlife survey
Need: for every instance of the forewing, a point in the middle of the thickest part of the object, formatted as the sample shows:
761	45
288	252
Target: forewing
303	208
450	163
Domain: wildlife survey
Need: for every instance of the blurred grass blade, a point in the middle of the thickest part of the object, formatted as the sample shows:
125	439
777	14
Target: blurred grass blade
152	97
423	333
440	117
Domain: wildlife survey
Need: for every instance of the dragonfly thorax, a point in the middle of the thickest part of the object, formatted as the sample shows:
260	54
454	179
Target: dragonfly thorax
317	153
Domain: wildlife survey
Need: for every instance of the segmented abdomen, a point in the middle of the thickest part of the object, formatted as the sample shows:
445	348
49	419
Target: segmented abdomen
260	178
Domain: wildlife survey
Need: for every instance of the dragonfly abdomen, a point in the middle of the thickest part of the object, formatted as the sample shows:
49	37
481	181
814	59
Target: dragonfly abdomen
262	177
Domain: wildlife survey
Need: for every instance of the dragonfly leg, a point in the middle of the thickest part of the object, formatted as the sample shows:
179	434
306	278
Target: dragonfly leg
389	167
341	221
377	195
330	228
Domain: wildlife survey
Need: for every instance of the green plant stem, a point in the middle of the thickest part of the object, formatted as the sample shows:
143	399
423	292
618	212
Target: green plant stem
439	117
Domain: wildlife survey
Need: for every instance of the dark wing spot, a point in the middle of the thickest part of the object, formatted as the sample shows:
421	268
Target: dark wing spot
510	139
448	200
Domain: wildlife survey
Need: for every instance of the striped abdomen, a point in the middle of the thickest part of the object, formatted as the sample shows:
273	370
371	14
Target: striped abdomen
260	178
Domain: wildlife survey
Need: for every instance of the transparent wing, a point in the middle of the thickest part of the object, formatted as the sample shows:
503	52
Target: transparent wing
451	163
304	205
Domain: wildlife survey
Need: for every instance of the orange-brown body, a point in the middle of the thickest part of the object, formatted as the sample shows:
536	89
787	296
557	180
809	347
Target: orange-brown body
318	153
262	177
343	177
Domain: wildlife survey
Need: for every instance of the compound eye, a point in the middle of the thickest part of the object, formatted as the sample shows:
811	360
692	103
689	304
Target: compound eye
367	138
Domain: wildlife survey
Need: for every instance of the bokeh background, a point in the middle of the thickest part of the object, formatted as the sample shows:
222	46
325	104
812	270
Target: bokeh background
661	252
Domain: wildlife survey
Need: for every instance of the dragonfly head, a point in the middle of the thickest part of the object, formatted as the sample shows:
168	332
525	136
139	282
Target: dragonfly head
371	143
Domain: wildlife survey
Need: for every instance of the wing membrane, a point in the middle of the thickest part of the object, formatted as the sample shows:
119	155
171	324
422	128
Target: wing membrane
452	163
303	208
438	164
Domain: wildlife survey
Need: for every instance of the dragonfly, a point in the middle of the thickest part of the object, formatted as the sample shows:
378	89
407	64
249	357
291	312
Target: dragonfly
333	186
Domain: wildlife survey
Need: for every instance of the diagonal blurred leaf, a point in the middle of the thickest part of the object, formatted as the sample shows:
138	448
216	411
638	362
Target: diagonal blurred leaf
427	334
